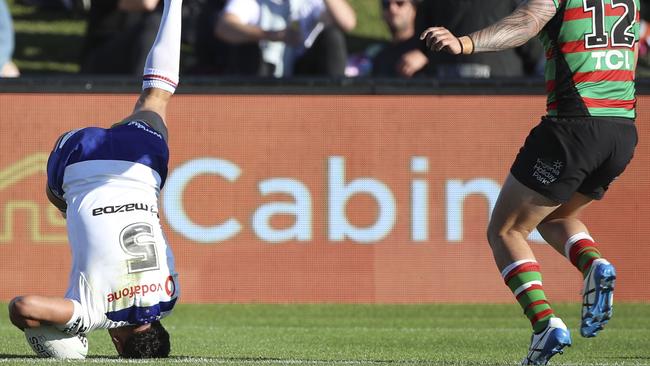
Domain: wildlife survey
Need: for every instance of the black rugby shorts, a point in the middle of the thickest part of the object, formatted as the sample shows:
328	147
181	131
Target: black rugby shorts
562	156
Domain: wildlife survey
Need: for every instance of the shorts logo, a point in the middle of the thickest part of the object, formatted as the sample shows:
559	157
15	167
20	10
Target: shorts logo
143	126
547	173
124	208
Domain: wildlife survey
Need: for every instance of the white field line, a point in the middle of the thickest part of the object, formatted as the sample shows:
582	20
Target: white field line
355	328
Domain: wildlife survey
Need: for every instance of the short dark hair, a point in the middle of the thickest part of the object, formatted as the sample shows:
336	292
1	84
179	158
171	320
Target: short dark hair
151	343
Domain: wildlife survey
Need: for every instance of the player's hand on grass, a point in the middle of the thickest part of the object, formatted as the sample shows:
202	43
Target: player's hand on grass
441	39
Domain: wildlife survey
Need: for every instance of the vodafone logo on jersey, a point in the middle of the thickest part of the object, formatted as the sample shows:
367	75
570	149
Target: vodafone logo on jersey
169	286
132	291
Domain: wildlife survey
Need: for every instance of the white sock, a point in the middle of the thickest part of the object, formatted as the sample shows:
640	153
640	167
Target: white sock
161	68
574	239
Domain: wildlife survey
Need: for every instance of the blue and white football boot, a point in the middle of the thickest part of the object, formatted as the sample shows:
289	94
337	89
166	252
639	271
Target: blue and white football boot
548	343
597	297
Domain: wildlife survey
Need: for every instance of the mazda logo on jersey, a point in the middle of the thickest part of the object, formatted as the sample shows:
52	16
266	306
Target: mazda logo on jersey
129	207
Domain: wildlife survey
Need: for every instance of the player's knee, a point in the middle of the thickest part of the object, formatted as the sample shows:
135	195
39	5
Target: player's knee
19	310
500	235
28	307
26	312
17	306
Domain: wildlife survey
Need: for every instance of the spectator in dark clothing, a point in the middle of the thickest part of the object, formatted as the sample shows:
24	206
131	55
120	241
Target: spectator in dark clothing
325	57
403	56
215	56
467	16
118	35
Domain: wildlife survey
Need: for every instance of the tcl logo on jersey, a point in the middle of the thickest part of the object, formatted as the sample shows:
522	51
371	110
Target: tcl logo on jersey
129	207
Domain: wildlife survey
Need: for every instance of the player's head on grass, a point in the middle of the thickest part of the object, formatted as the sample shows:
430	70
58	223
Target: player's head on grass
142	341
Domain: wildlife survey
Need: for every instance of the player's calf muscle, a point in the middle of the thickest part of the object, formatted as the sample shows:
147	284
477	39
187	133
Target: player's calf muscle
154	100
33	311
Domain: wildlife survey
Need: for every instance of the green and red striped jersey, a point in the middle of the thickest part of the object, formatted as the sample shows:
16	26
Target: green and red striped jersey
590	60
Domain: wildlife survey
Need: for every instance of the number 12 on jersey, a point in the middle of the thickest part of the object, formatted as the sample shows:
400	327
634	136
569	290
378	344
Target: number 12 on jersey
621	33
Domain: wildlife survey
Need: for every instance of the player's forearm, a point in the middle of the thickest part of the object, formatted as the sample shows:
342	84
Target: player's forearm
516	29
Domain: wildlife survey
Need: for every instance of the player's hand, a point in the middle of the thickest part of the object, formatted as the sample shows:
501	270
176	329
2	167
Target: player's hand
411	62
441	39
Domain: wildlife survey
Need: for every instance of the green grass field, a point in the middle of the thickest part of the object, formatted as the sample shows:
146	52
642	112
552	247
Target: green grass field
364	335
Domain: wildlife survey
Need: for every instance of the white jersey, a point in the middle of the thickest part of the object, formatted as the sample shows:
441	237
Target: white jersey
122	268
275	15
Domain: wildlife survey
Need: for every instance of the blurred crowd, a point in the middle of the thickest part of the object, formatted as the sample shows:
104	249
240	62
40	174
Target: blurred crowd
285	38
7	67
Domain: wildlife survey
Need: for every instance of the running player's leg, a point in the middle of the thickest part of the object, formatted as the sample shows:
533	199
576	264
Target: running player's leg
570	237
564	222
517	212
563	230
